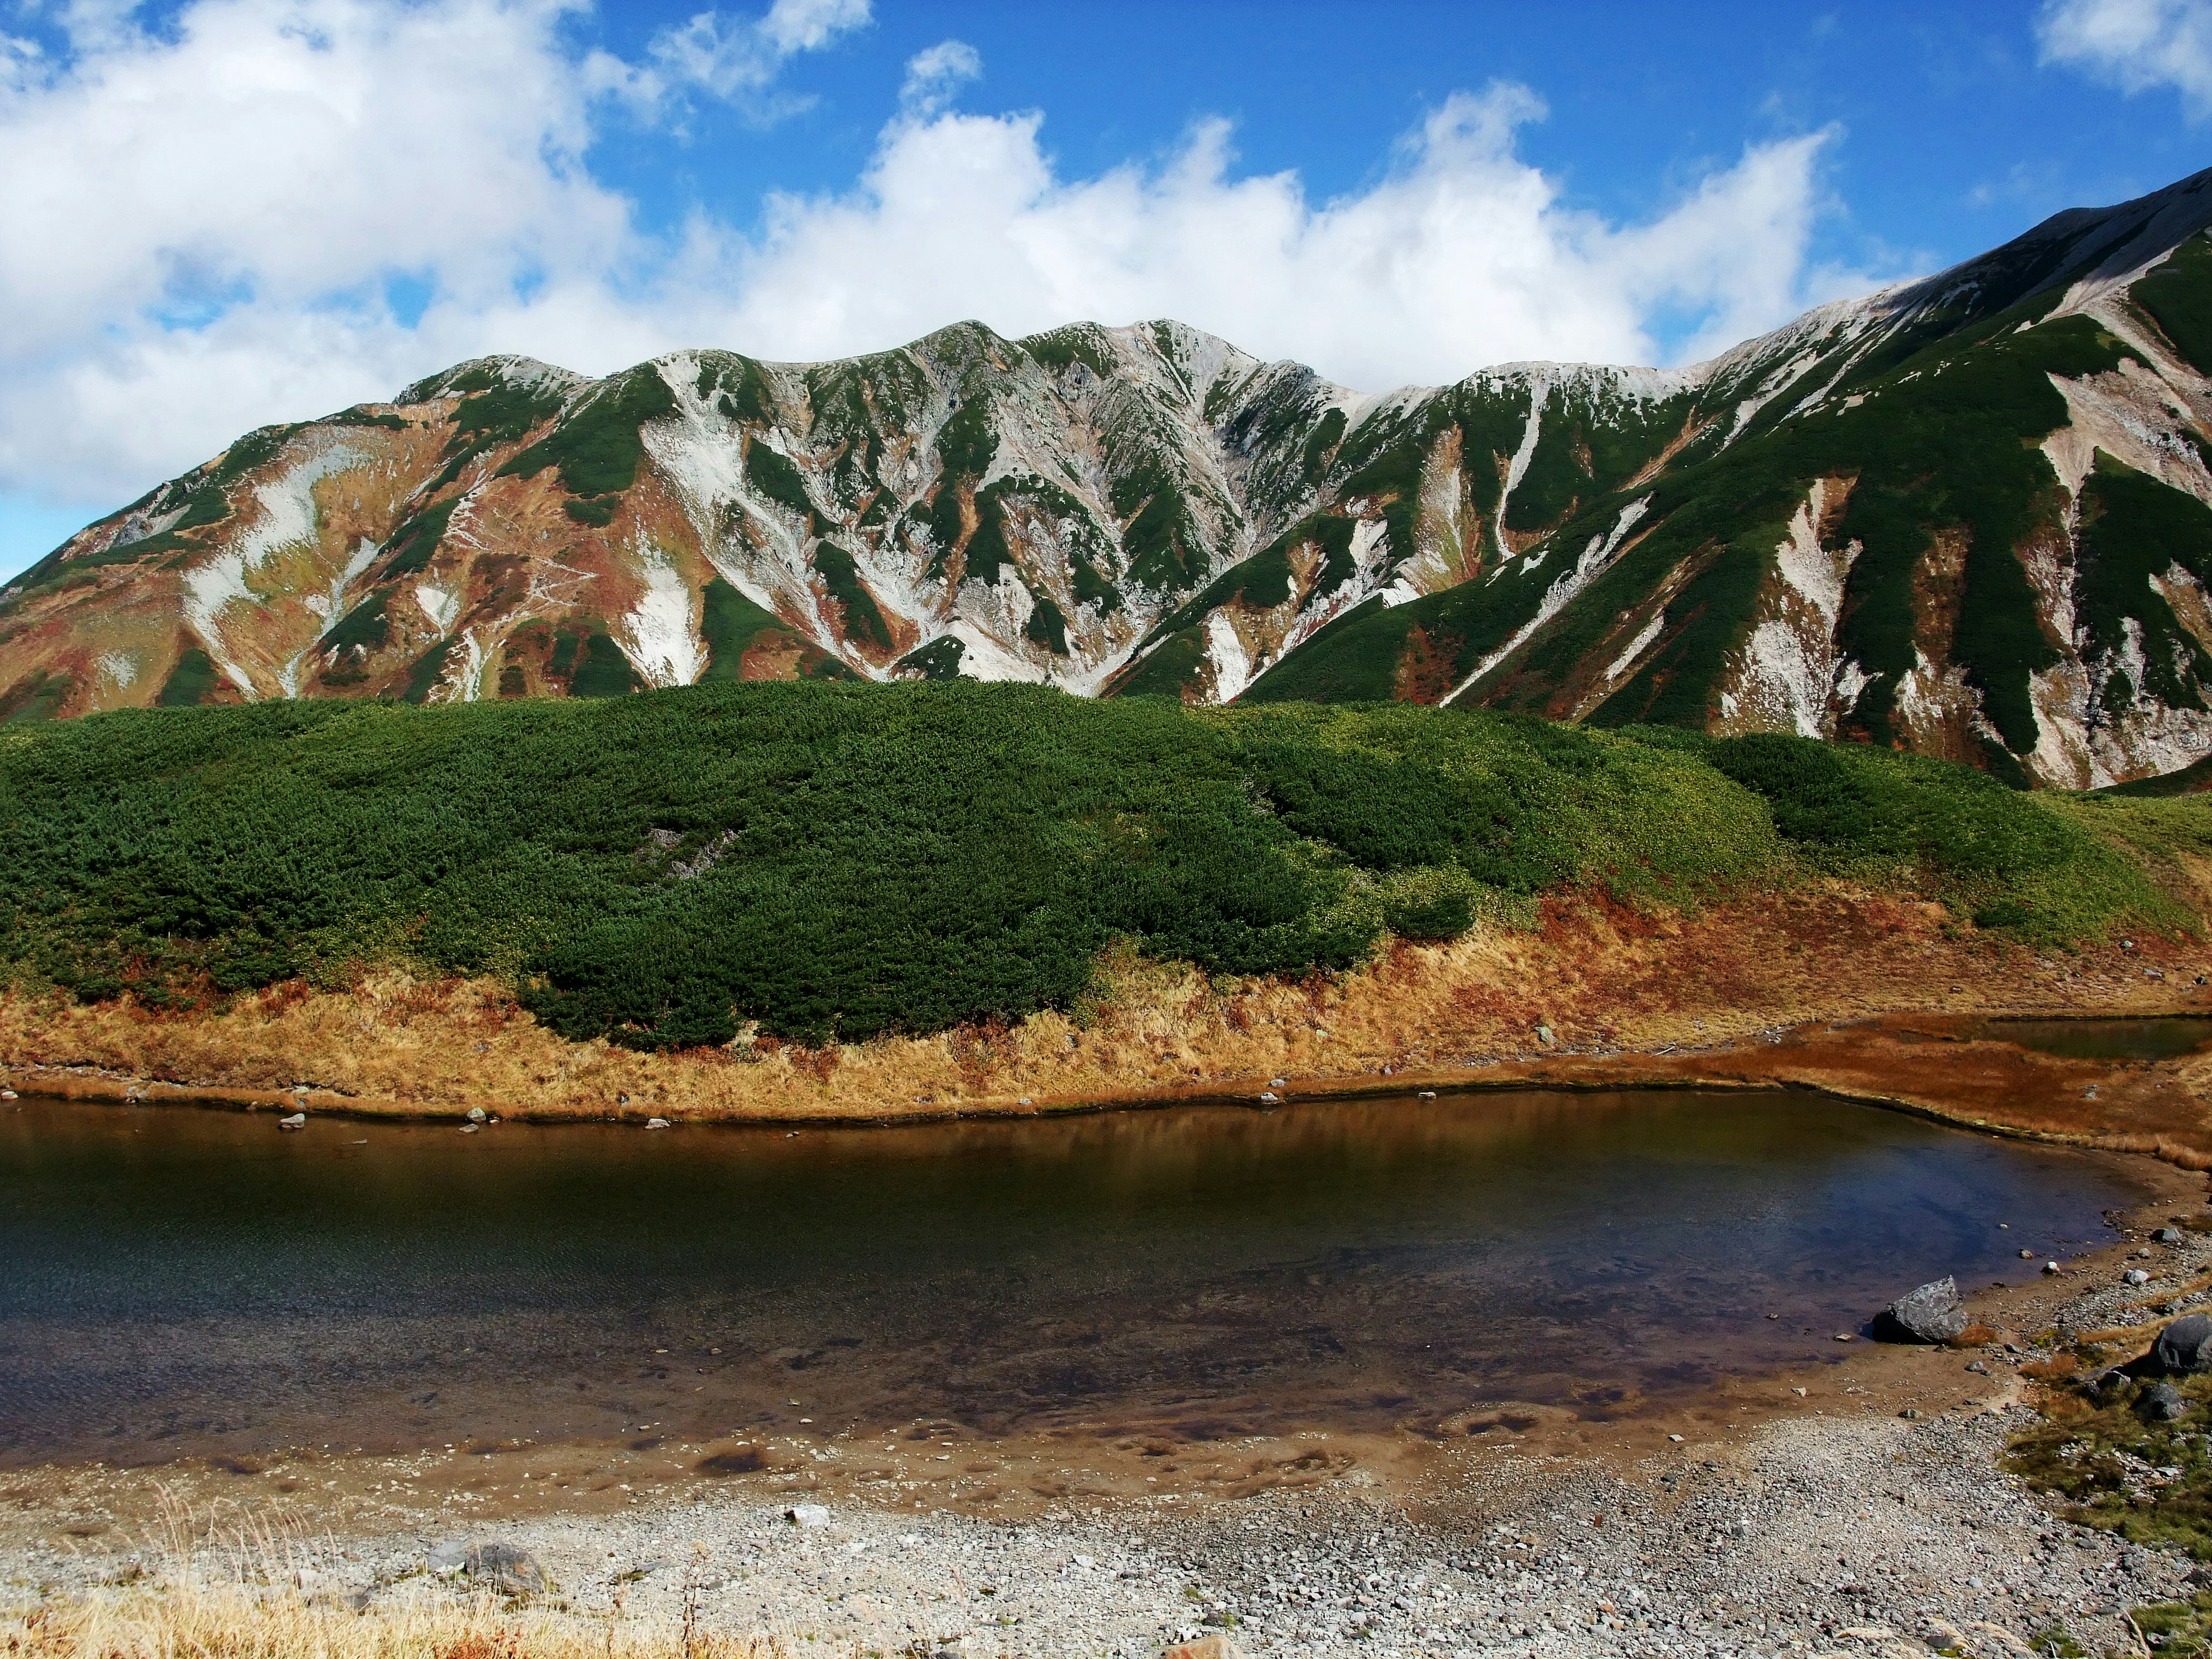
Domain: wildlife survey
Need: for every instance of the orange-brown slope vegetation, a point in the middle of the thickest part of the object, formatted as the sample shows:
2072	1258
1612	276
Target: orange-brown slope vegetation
1742	994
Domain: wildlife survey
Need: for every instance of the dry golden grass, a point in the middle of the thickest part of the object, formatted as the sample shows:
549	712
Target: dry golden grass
193	1620
235	1591
1597	974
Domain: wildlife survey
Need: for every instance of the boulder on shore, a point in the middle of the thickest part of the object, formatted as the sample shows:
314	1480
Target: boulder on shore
1930	1314
502	1568
2184	1347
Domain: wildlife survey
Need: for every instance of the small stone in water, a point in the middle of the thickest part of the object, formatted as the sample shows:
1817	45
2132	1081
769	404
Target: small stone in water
656	1123
2027	1255
297	1121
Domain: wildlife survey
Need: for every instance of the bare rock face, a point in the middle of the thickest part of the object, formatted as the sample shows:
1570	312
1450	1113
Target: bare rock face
1930	1314
1744	544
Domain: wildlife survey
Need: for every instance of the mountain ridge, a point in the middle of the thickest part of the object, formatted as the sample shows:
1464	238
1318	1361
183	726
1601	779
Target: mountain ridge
1149	508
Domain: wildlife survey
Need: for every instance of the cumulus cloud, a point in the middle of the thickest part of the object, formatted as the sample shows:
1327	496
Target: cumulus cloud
2135	44
205	227
1462	256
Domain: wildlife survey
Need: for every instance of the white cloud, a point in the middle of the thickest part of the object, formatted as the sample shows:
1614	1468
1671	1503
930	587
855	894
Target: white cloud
2135	44
736	60
935	75
202	227
1462	256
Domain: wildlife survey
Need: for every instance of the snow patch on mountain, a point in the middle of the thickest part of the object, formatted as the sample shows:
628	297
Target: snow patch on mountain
283	517
660	635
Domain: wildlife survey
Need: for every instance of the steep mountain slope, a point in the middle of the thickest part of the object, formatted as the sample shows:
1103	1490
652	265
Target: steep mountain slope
1967	516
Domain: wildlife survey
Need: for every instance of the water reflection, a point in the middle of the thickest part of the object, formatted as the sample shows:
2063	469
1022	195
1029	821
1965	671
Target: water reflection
2102	1039
181	1281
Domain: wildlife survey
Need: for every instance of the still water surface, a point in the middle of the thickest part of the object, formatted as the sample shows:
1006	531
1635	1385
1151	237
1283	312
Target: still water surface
2103	1039
177	1282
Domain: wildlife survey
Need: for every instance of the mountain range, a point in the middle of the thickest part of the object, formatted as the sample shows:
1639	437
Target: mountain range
1969	515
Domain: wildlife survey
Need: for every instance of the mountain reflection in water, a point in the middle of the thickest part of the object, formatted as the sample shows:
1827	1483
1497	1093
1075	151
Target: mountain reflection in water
181	1282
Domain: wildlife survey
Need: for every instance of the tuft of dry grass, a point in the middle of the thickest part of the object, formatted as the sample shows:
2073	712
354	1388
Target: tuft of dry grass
244	1591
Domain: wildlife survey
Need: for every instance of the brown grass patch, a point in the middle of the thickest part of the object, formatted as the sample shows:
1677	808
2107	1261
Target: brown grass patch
1601	974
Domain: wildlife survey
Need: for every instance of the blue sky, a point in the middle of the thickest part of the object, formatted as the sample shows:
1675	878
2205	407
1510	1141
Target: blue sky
229	212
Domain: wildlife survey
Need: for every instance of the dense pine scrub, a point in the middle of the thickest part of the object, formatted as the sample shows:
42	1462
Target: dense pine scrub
824	861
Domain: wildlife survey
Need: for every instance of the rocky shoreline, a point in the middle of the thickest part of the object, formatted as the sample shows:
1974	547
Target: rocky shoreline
1867	1516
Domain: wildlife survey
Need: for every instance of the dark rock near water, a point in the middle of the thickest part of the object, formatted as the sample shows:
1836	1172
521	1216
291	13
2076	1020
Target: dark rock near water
1930	1314
2184	1346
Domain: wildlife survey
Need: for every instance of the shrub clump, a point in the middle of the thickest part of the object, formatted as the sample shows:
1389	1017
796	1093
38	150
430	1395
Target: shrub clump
911	857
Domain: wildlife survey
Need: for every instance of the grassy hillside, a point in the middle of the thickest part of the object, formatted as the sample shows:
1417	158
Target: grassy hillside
837	860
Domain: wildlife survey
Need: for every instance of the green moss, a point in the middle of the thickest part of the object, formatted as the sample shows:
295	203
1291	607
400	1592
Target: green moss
1171	668
1319	446
739	386
206	500
602	670
2177	295
423	674
966	445
359	417
1091	587
39	695
502	414
597	513
729	621
599	443
563	658
776	477
937	660
414	543
1353	659
989	552
1160	544
1060	349
1046	626
2134	528
1674	684
365	626
863	620
191	681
